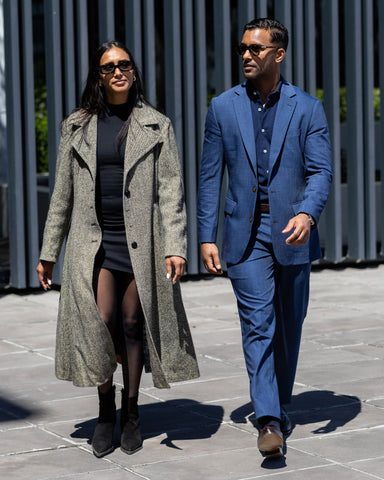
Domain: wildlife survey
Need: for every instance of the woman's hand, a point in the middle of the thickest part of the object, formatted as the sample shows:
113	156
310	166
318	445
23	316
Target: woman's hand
175	267
44	272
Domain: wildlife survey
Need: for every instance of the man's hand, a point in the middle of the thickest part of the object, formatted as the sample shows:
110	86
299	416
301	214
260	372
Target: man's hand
44	272
211	258
301	227
175	267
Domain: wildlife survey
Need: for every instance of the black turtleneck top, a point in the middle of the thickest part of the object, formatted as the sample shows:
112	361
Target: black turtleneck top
113	253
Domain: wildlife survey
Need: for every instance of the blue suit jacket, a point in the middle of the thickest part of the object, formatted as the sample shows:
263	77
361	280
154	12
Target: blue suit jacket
300	172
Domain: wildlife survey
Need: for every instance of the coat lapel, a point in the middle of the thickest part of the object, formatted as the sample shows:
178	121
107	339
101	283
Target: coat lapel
143	135
243	112
87	149
285	108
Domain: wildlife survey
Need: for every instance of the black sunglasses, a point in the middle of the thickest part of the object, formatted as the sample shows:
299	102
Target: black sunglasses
254	50
123	66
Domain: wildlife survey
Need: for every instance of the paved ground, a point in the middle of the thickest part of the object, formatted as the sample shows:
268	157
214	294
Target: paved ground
203	429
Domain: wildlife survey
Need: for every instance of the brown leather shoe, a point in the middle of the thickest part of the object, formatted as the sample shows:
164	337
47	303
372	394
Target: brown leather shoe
270	441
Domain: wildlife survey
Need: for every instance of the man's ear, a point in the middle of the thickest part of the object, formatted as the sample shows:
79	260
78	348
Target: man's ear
280	54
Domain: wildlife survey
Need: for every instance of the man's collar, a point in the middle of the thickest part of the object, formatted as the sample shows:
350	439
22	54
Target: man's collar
254	95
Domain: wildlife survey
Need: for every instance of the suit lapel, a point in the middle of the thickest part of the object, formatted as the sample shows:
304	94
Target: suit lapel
285	108
243	112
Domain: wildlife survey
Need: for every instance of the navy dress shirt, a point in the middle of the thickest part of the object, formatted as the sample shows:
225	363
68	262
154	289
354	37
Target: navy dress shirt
263	120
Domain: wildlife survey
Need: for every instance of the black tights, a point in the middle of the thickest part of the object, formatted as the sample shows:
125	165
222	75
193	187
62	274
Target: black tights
117	298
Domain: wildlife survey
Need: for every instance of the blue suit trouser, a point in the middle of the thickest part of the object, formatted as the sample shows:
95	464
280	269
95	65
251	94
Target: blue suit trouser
272	302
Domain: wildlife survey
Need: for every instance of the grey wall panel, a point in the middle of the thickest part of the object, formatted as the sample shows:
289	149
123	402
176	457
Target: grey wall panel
331	82
133	30
355	147
172	79
369	130
29	156
69	58
310	46
181	39
381	81
106	20
189	133
81	45
17	214
149	50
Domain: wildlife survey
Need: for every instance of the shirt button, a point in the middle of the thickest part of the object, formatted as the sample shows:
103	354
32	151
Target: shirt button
263	130
134	245
259	109
265	151
253	189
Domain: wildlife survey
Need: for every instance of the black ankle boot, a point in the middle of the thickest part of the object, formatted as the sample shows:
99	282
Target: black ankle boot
131	440
102	441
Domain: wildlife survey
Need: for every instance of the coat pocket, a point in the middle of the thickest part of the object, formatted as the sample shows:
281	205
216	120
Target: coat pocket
229	206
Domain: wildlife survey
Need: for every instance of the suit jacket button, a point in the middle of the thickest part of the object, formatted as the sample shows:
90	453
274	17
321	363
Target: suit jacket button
134	245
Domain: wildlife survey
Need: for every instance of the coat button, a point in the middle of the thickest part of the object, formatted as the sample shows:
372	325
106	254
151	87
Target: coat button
251	219
253	189
134	245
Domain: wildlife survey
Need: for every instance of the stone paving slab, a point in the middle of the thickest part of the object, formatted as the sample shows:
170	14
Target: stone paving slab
205	428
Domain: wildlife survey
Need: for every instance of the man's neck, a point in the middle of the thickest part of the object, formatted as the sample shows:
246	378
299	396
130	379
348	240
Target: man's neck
266	86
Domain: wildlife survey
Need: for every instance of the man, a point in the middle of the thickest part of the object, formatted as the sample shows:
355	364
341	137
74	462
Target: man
274	140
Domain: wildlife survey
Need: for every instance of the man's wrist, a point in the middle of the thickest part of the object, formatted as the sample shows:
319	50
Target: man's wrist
311	219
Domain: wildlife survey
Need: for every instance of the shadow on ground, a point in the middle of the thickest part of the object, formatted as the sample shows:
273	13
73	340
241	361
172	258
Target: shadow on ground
315	406
181	419
11	410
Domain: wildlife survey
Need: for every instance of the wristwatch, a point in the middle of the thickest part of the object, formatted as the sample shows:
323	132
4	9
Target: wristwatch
311	220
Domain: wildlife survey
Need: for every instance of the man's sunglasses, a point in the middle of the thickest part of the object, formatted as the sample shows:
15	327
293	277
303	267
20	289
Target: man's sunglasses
254	50
123	66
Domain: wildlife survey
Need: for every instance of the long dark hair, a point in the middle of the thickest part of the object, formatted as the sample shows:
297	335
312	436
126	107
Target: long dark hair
93	101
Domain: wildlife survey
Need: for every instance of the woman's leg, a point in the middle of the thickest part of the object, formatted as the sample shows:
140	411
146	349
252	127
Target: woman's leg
132	363
104	284
132	355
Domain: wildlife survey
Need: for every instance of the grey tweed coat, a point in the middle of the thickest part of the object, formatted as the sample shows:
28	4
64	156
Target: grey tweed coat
155	221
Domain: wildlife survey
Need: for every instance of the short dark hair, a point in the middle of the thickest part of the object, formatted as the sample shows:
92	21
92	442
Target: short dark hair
279	34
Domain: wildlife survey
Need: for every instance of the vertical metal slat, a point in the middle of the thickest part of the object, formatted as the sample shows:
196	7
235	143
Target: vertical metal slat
149	51
106	20
369	131
331	82
69	58
32	233
355	152
381	82
297	39
133	30
283	13
173	81
222	47
310	46
81	46
16	211
245	13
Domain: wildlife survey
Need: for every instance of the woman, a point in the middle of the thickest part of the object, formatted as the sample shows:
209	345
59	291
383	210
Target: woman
118	198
